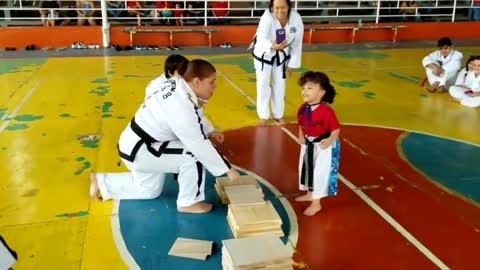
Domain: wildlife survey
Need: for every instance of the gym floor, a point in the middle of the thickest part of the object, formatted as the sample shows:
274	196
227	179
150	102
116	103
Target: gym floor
409	184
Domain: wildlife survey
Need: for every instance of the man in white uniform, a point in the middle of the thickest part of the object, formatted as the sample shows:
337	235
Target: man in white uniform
469	93
442	66
166	136
8	257
276	58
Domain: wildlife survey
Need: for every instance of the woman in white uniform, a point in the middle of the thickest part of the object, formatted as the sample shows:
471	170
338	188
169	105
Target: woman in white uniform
277	51
175	67
166	136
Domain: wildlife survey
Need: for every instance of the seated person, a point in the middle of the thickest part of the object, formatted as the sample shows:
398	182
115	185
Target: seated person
408	10
163	9
462	74
67	12
220	11
135	8
115	8
469	94
86	12
48	12
442	66
196	9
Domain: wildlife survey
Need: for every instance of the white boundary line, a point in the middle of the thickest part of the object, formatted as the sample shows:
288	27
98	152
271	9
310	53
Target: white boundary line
370	203
132	264
292	217
19	106
118	238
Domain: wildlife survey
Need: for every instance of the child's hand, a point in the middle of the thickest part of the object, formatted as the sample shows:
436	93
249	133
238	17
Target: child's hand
217	136
325	143
301	140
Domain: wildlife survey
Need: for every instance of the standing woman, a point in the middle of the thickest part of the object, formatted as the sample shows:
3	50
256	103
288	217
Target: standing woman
277	51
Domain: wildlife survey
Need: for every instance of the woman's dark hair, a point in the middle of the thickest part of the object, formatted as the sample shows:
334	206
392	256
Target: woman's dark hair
321	79
175	62
289	4
470	59
198	68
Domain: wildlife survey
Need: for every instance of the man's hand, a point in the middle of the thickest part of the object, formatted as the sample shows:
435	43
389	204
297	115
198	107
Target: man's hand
233	174
301	140
217	136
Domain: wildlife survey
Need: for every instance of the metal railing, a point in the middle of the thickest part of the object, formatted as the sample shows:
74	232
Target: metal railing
14	12
102	12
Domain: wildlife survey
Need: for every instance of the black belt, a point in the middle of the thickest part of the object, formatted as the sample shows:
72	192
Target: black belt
272	61
306	177
149	141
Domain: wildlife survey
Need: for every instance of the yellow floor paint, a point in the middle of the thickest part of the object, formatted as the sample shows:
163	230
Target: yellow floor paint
45	211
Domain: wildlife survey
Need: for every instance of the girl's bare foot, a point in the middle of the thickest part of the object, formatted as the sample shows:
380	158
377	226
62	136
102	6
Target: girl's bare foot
280	121
262	122
314	207
197	208
94	189
304	198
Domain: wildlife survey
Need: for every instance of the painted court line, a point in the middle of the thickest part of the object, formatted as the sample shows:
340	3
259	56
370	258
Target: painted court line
8	117
367	200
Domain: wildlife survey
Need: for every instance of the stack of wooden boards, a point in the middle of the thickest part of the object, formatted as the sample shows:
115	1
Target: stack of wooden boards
248	213
258	252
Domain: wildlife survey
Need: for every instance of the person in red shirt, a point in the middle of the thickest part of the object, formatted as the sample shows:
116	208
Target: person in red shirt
220	10
318	134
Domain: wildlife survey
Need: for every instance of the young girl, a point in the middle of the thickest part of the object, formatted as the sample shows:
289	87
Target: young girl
469	93
318	133
462	74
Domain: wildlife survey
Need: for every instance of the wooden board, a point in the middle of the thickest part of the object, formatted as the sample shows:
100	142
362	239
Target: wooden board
256	252
191	248
244	195
222	182
255	214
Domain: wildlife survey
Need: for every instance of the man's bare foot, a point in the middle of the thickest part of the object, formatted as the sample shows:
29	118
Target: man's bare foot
313	209
433	88
441	89
94	188
197	208
280	121
262	122
304	198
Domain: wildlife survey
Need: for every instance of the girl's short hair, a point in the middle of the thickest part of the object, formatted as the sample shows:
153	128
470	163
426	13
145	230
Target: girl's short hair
175	62
198	68
321	79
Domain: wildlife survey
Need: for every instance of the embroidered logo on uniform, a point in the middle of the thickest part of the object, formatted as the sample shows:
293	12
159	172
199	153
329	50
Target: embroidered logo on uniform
293	30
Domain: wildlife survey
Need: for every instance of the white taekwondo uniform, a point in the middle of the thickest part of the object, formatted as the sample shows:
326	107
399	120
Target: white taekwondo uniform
8	257
450	64
472	82
461	76
165	136
271	62
151	88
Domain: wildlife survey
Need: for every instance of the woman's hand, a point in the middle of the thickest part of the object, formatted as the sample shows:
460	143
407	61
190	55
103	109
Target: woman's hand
281	46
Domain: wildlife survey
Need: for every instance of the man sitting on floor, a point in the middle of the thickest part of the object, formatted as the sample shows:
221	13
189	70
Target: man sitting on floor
442	66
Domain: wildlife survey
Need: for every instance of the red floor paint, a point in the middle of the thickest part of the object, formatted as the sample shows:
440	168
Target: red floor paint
348	234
